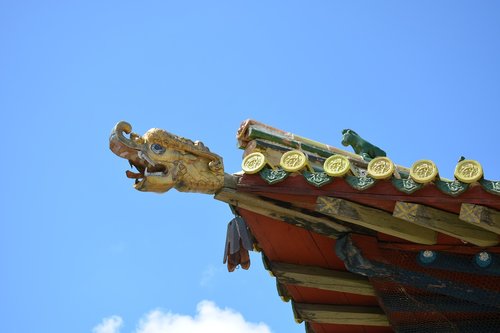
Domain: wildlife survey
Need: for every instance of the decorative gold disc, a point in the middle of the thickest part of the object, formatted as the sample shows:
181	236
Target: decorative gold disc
336	165
380	168
253	163
423	171
468	171
293	160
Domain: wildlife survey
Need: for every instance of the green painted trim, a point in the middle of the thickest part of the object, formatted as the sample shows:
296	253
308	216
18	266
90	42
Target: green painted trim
273	176
263	145
298	142
453	188
255	133
406	185
316	150
360	183
317	179
490	186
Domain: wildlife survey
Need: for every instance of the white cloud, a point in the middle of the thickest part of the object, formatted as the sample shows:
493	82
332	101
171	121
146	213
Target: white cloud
109	325
208	319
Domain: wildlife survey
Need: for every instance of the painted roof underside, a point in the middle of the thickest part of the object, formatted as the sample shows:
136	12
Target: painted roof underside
334	281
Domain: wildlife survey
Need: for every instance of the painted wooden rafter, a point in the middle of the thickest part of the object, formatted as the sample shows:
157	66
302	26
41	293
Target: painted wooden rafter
481	216
340	314
444	222
321	225
321	278
374	219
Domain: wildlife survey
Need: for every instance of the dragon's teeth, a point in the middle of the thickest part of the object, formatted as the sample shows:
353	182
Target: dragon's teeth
158	173
143	156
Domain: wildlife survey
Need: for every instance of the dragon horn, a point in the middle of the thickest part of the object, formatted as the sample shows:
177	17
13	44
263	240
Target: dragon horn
134	142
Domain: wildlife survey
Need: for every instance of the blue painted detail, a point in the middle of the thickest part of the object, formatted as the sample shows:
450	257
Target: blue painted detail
427	256
447	287
483	325
355	262
464	263
431	302
483	259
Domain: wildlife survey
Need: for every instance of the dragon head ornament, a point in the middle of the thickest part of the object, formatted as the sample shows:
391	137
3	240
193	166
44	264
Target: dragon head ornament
164	161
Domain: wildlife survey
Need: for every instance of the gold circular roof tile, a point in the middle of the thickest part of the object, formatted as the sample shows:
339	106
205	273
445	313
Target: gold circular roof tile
380	168
468	171
423	171
253	163
336	166
293	161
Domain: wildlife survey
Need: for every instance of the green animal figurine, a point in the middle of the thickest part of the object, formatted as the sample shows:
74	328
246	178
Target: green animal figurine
361	146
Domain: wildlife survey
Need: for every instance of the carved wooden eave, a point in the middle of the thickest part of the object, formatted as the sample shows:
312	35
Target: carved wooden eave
357	243
296	216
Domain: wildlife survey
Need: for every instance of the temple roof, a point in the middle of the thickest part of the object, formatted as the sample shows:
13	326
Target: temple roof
273	143
328	223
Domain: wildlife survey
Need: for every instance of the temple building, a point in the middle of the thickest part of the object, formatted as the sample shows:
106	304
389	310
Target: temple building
354	242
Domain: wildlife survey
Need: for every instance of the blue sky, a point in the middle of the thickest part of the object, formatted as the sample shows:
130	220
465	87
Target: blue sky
81	249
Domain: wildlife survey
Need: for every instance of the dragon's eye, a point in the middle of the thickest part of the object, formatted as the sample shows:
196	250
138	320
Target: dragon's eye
157	148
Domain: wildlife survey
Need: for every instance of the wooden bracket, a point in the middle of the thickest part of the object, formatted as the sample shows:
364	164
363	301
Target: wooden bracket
321	225
374	219
341	314
444	222
480	216
322	278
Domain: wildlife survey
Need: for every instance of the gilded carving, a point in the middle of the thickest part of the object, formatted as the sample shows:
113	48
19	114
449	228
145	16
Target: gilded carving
293	161
468	171
380	168
423	171
164	161
253	163
336	165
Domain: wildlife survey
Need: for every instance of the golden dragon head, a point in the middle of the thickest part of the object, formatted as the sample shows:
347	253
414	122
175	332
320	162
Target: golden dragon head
164	161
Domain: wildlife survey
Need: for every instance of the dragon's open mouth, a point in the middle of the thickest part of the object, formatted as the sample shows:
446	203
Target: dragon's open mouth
144	171
161	161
